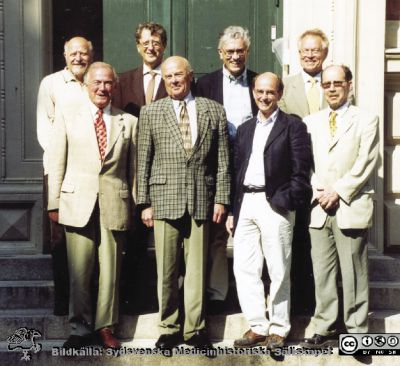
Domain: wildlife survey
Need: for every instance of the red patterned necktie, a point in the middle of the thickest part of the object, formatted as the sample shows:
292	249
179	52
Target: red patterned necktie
101	133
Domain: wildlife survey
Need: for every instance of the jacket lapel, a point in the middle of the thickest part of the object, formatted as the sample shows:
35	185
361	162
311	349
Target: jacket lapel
171	122
299	94
348	120
115	129
279	126
137	85
203	120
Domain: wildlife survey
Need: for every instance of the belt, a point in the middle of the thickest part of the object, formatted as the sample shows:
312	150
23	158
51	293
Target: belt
247	189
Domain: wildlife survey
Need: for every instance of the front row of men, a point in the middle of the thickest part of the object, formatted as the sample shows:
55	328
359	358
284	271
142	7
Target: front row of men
183	184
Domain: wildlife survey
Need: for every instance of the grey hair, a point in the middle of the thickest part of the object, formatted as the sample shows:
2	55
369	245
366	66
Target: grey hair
101	65
234	32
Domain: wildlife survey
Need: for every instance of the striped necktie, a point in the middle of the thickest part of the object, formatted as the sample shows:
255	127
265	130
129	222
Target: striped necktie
101	133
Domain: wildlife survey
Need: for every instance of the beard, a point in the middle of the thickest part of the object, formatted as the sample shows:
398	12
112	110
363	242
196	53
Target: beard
78	71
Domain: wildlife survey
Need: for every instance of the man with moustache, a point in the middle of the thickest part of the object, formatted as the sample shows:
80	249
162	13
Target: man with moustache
272	161
231	87
92	193
183	184
345	145
63	90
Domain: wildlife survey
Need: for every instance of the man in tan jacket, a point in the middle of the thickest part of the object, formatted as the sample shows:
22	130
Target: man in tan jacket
345	146
91	192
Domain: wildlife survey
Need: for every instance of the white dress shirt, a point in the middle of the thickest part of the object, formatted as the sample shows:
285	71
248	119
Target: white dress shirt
255	174
147	78
191	108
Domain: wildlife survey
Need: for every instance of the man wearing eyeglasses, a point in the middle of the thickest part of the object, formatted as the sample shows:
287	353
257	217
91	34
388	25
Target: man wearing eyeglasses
92	193
303	94
144	84
346	147
231	87
135	89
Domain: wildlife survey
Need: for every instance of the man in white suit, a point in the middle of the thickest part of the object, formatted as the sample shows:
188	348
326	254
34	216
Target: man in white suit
91	192
345	147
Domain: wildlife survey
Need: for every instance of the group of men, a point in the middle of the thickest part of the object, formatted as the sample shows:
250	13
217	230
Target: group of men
197	162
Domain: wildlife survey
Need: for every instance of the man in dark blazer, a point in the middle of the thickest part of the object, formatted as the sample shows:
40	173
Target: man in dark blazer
135	89
272	163
133	86
183	184
231	87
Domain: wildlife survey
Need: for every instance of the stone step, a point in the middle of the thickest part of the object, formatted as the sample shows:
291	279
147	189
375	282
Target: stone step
384	295
38	267
26	267
49	355
144	327
26	294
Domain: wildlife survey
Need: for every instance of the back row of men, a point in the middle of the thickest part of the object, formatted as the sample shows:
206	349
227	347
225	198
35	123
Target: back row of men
177	179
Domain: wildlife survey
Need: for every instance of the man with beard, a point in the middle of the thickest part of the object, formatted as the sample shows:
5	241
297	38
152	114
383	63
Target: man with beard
63	90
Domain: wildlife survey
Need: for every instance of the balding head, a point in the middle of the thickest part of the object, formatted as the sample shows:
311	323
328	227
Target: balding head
267	91
78	53
178	76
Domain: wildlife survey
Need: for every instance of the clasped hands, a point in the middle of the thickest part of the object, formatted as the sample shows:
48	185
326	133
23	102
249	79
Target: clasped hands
328	199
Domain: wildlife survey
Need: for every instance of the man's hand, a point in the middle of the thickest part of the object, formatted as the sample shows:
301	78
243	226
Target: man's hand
147	217
229	224
328	199
53	215
219	213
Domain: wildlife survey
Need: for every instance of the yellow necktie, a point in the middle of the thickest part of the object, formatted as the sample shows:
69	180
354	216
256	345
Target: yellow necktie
313	96
150	87
332	123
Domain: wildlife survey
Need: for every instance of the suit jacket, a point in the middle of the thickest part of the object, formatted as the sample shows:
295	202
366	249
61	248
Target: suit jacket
294	98
78	178
345	163
168	180
130	94
211	86
287	163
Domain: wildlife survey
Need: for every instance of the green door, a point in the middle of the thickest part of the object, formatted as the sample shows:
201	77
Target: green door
193	27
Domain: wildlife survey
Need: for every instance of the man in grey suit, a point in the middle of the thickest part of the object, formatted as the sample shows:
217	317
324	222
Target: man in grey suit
303	93
92	193
345	145
183	184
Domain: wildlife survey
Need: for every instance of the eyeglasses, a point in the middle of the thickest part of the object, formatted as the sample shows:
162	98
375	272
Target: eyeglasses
147	44
313	51
336	84
229	53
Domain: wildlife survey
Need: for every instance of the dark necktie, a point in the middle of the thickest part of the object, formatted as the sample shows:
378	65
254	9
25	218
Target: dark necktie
101	133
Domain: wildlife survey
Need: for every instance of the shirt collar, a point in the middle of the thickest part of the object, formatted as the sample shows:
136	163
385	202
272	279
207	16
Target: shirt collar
341	110
94	108
68	75
242	77
189	98
307	77
271	119
147	69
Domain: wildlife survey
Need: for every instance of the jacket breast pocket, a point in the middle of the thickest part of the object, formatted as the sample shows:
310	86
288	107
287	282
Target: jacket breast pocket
67	188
